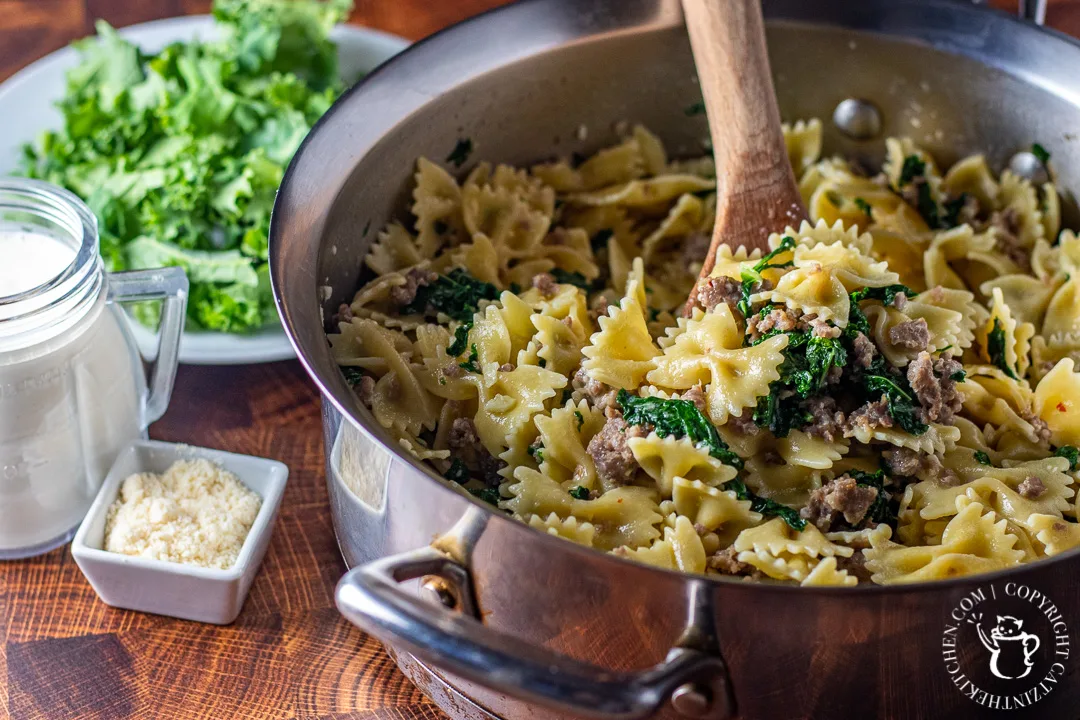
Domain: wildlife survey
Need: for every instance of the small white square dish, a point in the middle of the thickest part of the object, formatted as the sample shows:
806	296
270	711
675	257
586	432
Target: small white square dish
183	591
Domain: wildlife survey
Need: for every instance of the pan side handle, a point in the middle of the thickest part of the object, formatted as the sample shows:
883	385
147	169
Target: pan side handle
693	682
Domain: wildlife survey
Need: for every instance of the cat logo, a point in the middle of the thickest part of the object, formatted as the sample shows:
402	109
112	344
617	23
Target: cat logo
1011	649
1006	646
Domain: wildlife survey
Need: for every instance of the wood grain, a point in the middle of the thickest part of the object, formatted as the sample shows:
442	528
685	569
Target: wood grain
63	654
756	195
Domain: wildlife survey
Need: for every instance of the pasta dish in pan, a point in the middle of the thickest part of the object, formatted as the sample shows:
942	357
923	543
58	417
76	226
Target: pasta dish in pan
887	396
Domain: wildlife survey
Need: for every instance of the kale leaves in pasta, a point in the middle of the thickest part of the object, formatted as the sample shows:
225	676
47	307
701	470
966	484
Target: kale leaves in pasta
528	334
765	506
457	295
995	348
679	418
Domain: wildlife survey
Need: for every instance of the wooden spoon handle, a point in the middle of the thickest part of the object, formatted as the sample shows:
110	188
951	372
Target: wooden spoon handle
756	191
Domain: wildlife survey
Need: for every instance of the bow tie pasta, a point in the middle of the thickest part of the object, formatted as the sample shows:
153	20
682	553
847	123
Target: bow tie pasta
888	395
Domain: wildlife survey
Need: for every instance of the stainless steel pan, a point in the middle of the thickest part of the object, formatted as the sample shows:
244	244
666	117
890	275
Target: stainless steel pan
528	626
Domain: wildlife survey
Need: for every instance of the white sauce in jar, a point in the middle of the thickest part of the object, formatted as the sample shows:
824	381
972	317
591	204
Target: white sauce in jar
69	400
29	259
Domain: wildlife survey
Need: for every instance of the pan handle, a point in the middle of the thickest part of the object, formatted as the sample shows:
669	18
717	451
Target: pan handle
369	596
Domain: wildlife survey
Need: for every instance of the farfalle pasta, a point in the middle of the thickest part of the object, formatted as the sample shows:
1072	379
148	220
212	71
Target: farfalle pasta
889	395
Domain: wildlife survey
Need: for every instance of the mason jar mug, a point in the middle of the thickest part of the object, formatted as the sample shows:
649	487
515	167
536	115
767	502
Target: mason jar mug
73	390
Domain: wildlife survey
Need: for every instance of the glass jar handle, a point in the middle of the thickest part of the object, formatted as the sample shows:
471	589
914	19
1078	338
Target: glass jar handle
170	285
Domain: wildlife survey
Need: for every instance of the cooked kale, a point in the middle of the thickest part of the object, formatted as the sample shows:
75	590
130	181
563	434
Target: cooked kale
680	418
1071	454
542	363
567	394
765	506
958	376
903	408
885	294
781	415
461	152
857	322
952	210
995	348
927	207
353	375
1041	154
865	207
982	458
752	277
912	168
580	419
808	360
536	452
579	493
882	510
457	472
571	278
471	363
457	295
488	495
461	339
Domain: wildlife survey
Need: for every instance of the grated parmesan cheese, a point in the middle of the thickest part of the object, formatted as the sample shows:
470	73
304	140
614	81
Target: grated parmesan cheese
196	513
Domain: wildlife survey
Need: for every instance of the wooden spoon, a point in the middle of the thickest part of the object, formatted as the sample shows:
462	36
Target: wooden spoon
756	192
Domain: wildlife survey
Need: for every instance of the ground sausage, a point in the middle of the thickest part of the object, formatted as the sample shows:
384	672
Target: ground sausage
599	395
545	283
1042	430
726	562
489	469
903	461
610	452
911	334
462	434
453	370
854	566
506	367
344	314
823	329
828	423
696	395
743	424
779	318
1031	488
414	280
864	350
713	291
899	301
842	496
909	463
365	389
931	379
872	415
1006	226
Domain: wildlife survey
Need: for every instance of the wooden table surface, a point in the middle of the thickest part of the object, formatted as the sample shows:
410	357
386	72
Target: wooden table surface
64	654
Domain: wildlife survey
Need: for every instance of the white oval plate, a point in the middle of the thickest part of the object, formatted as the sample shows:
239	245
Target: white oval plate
27	108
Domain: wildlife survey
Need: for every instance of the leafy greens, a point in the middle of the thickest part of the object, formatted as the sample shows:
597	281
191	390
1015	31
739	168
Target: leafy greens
766	507
457	295
680	418
180	153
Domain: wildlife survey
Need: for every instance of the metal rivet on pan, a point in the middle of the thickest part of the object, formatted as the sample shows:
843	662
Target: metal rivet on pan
858	119
692	700
1029	167
435	589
